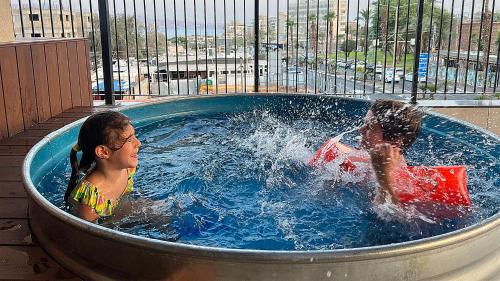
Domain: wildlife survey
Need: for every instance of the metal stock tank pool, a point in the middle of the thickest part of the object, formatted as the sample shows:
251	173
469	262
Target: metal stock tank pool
238	202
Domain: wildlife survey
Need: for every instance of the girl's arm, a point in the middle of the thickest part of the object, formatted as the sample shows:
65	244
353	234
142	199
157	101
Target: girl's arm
85	212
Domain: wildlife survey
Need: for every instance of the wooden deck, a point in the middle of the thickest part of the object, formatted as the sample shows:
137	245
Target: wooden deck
21	257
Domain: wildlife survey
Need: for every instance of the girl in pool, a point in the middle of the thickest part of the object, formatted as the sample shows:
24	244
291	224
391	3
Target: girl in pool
109	159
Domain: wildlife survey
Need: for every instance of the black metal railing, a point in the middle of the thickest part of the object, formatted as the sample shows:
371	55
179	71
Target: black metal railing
432	48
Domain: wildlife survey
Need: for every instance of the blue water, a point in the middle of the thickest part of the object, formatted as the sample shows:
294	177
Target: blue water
241	180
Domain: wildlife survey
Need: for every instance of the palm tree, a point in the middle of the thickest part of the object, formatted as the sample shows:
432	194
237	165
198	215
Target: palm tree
290	25
312	31
486	36
365	16
330	17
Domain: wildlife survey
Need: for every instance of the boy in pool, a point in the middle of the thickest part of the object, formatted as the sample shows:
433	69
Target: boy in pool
389	128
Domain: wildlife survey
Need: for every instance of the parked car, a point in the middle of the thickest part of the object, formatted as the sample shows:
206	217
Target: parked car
390	77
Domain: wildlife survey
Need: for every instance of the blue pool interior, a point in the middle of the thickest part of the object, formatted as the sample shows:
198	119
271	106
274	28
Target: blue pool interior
231	172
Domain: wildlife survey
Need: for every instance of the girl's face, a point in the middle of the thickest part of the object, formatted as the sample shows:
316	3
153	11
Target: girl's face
126	156
371	132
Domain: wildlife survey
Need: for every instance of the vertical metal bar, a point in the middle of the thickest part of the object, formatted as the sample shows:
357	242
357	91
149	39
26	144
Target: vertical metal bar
439	44
394	54
449	45
256	46
177	48
496	69
61	16
267	46
316	50
479	44
278	62
376	45
117	52
51	18
94	45
126	45
196	47
106	51
245	42
418	35
367	37
21	17
41	17
406	41
429	49
287	42
31	19
147	46
81	18
307	45
215	40
137	49
225	46
468	47
156	46
71	17
346	32
489	46
459	47
187	49
385	45
297	52
356	50
336	47
235	48
206	44
328	19
166	47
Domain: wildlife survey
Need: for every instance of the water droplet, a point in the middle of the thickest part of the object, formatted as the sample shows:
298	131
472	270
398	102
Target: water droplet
328	274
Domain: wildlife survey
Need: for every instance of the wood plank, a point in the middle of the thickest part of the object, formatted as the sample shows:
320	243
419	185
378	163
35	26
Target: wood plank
82	67
12	189
11	161
10	174
53	79
41	84
33	132
64	83
4	132
89	69
12	92
14	150
27	85
74	74
15	232
17	141
30	263
13	208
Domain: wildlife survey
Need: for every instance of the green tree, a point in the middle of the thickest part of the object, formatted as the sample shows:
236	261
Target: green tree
312	31
290	25
348	46
330	17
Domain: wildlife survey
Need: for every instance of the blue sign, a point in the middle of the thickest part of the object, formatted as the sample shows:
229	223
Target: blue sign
423	64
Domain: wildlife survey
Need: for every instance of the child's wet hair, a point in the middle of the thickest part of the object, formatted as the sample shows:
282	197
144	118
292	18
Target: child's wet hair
400	122
103	128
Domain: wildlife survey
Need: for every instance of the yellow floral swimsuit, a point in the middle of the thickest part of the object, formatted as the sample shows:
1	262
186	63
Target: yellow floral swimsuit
86	193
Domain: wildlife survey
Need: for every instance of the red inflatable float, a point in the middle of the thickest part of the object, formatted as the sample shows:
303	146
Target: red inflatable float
440	184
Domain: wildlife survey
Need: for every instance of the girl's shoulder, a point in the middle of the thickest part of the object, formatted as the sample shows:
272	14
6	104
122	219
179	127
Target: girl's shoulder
88	194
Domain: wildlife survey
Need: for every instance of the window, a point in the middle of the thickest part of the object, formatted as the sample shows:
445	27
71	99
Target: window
34	17
36	35
67	17
88	18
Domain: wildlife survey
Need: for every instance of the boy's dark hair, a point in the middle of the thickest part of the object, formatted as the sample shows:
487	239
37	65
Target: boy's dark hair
400	122
103	128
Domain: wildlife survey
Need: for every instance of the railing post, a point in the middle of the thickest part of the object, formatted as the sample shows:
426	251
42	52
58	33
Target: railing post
256	48
416	62
106	52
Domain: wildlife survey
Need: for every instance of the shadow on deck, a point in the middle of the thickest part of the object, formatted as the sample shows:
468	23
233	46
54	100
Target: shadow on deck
21	257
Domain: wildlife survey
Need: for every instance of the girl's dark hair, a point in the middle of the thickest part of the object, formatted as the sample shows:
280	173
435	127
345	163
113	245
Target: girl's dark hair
400	122
103	128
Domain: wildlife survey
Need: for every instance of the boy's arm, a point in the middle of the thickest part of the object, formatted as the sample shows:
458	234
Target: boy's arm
85	212
386	160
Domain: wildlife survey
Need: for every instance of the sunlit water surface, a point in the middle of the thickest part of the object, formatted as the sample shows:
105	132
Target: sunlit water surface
242	181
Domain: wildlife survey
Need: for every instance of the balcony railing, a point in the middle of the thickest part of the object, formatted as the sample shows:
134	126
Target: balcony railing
144	48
